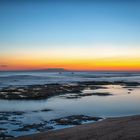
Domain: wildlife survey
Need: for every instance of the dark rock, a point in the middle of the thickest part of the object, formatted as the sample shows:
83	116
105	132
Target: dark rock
46	110
29	126
130	89
74	120
39	127
97	94
4	136
48	90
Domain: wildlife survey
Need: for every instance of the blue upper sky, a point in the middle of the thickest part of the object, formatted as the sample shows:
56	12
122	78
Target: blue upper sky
69	22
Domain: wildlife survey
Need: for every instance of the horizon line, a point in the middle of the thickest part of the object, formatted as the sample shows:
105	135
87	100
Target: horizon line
66	70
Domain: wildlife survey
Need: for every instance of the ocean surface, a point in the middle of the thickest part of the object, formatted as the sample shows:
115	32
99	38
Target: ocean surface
31	78
122	102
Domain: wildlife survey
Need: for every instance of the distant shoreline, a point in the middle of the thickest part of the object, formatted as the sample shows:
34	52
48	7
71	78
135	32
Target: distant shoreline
121	128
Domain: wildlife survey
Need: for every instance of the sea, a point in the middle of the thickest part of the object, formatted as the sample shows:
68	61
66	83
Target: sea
21	78
121	102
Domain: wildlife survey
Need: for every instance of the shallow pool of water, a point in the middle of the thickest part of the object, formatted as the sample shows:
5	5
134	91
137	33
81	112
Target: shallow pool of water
122	102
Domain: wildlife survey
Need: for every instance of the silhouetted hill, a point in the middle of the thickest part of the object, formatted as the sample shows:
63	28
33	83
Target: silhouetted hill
54	70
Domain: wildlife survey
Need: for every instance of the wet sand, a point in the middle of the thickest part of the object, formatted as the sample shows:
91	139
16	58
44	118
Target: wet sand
122	128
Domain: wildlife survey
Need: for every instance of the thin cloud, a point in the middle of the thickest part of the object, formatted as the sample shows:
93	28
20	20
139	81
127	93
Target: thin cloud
3	66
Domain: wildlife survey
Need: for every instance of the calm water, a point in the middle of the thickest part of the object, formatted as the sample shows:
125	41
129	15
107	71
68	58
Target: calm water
122	102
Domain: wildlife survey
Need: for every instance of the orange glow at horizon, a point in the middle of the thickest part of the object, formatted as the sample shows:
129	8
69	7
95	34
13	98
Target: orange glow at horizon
73	64
107	58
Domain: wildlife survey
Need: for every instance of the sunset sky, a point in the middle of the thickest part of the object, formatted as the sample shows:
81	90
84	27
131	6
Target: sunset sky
75	35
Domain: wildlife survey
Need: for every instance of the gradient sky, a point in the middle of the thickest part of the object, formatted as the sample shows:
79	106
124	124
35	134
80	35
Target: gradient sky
78	35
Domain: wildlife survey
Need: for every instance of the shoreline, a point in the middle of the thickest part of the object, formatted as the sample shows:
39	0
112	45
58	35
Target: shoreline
121	128
76	90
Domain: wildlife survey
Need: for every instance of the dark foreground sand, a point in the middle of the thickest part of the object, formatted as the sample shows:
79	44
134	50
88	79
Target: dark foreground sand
123	128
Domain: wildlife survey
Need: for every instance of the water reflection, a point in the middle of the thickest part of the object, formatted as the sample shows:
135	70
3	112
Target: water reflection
120	103
85	105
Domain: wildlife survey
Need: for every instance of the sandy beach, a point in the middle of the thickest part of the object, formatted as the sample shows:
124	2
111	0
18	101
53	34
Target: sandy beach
121	128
